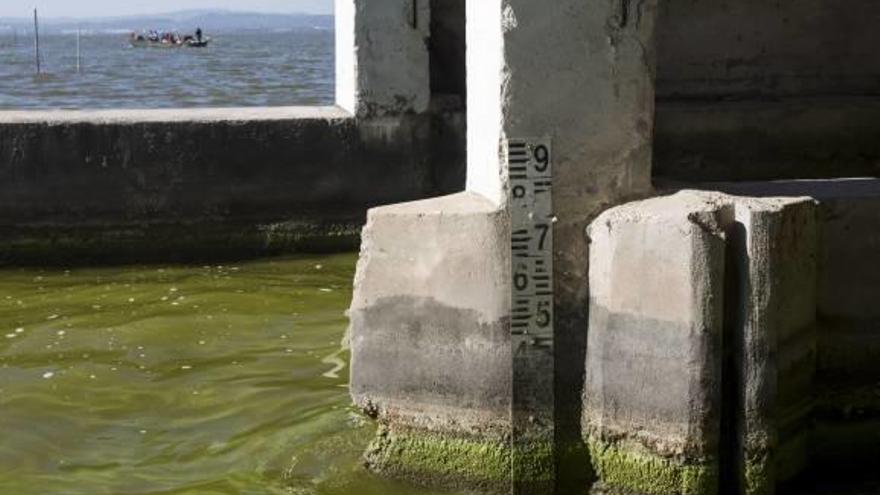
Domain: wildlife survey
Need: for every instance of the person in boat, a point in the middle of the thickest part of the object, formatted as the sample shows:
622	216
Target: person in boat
199	34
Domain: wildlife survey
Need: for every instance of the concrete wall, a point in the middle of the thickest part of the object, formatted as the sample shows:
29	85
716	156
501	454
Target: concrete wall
68	178
757	90
793	138
448	44
748	48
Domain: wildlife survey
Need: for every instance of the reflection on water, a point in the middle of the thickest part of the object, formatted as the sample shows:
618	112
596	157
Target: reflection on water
243	69
180	380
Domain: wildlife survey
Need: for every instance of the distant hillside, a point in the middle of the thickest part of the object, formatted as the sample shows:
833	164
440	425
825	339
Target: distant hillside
211	21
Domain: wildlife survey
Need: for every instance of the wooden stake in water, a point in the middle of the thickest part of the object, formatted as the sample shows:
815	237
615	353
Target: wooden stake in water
37	40
78	52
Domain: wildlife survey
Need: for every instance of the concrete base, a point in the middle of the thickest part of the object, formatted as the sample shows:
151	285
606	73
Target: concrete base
430	341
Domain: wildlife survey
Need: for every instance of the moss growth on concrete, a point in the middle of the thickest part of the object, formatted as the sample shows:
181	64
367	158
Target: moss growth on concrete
759	476
433	459
623	469
197	241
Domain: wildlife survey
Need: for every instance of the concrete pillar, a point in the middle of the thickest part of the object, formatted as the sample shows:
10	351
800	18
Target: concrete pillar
431	346
652	412
580	72
382	60
772	339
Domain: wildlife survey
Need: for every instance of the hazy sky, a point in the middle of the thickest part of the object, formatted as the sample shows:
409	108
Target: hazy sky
95	8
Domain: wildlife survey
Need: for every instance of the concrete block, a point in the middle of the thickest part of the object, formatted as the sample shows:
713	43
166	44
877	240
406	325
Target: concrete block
430	340
654	356
771	341
846	409
848	268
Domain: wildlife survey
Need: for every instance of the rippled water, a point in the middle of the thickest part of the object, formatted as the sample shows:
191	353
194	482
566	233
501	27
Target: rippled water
180	380
245	69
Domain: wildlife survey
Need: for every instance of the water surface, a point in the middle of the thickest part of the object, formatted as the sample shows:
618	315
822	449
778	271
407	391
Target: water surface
180	380
295	67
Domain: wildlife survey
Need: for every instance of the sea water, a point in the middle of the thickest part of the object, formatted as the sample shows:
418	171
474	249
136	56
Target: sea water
227	379
293	67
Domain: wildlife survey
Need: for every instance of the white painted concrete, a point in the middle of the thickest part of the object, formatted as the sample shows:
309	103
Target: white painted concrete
485	74
346	65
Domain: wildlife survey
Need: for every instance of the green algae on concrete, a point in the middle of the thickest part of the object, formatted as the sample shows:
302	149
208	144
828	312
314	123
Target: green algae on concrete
439	459
195	241
620	468
759	477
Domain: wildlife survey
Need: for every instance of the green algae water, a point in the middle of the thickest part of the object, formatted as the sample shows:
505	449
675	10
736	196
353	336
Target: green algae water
180	380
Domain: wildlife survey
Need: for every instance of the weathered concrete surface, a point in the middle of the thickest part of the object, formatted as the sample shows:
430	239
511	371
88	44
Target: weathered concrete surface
430	339
453	320
383	63
598	112
652	399
747	48
770	343
447	48
172	182
794	138
757	90
848	267
846	412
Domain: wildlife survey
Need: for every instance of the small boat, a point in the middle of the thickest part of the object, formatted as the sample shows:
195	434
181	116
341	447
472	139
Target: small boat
142	41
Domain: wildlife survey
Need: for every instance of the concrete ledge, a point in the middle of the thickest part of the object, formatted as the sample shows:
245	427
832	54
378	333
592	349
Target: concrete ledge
99	182
195	241
197	115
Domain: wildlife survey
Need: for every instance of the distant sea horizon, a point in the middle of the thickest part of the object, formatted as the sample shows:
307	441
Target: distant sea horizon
217	20
274	66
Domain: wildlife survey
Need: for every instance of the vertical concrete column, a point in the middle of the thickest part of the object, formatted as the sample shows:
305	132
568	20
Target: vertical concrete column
430	319
382	60
652	413
580	72
772	339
